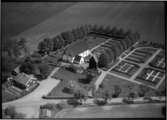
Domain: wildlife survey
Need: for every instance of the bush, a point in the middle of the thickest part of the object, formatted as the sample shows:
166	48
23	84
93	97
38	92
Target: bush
11	112
67	90
117	91
100	102
132	95
125	100
102	62
71	69
86	80
73	102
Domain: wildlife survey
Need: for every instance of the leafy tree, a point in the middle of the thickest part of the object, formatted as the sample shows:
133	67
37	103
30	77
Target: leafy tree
142	90
107	95
10	111
100	102
74	102
132	95
117	90
102	62
42	47
44	69
120	33
36	58
27	67
128	32
92	63
127	101
86	80
107	30
22	45
113	31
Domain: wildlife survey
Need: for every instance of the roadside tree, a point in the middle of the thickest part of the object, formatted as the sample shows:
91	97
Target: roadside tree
117	90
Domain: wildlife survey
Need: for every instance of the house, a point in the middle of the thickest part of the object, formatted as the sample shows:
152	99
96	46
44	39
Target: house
24	81
78	51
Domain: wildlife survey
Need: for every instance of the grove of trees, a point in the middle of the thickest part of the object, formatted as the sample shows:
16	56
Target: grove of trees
10	113
102	62
12	49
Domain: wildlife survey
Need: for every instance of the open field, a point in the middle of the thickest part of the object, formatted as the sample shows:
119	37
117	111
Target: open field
145	17
18	17
66	76
126	86
115	111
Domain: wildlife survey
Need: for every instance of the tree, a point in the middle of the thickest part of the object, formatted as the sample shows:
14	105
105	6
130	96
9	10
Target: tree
74	102
79	95
117	90
142	90
27	67
22	45
42	47
102	62
86	80
44	69
113	31
107	95
36	58
132	95
92	63
10	111
120	33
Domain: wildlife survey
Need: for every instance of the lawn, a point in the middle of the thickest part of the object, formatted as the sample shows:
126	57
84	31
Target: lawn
66	76
126	87
88	42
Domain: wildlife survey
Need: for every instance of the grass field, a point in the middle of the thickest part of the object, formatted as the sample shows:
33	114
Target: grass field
126	86
66	76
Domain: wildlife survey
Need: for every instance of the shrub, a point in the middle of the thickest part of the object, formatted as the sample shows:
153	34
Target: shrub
117	91
125	100
73	102
71	69
68	90
86	80
100	102
102	62
11	112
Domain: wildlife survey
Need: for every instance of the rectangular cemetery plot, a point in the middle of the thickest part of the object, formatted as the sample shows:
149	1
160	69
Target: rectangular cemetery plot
125	69
150	76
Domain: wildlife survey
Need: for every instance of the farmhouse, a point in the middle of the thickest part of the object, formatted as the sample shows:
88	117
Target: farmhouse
24	81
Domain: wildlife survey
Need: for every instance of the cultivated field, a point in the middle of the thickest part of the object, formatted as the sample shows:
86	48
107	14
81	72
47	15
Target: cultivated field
147	18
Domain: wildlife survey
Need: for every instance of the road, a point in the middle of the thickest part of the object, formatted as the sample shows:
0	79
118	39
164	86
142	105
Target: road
115	111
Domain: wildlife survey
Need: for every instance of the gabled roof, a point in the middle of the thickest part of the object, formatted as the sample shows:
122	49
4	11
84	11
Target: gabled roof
77	47
22	78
